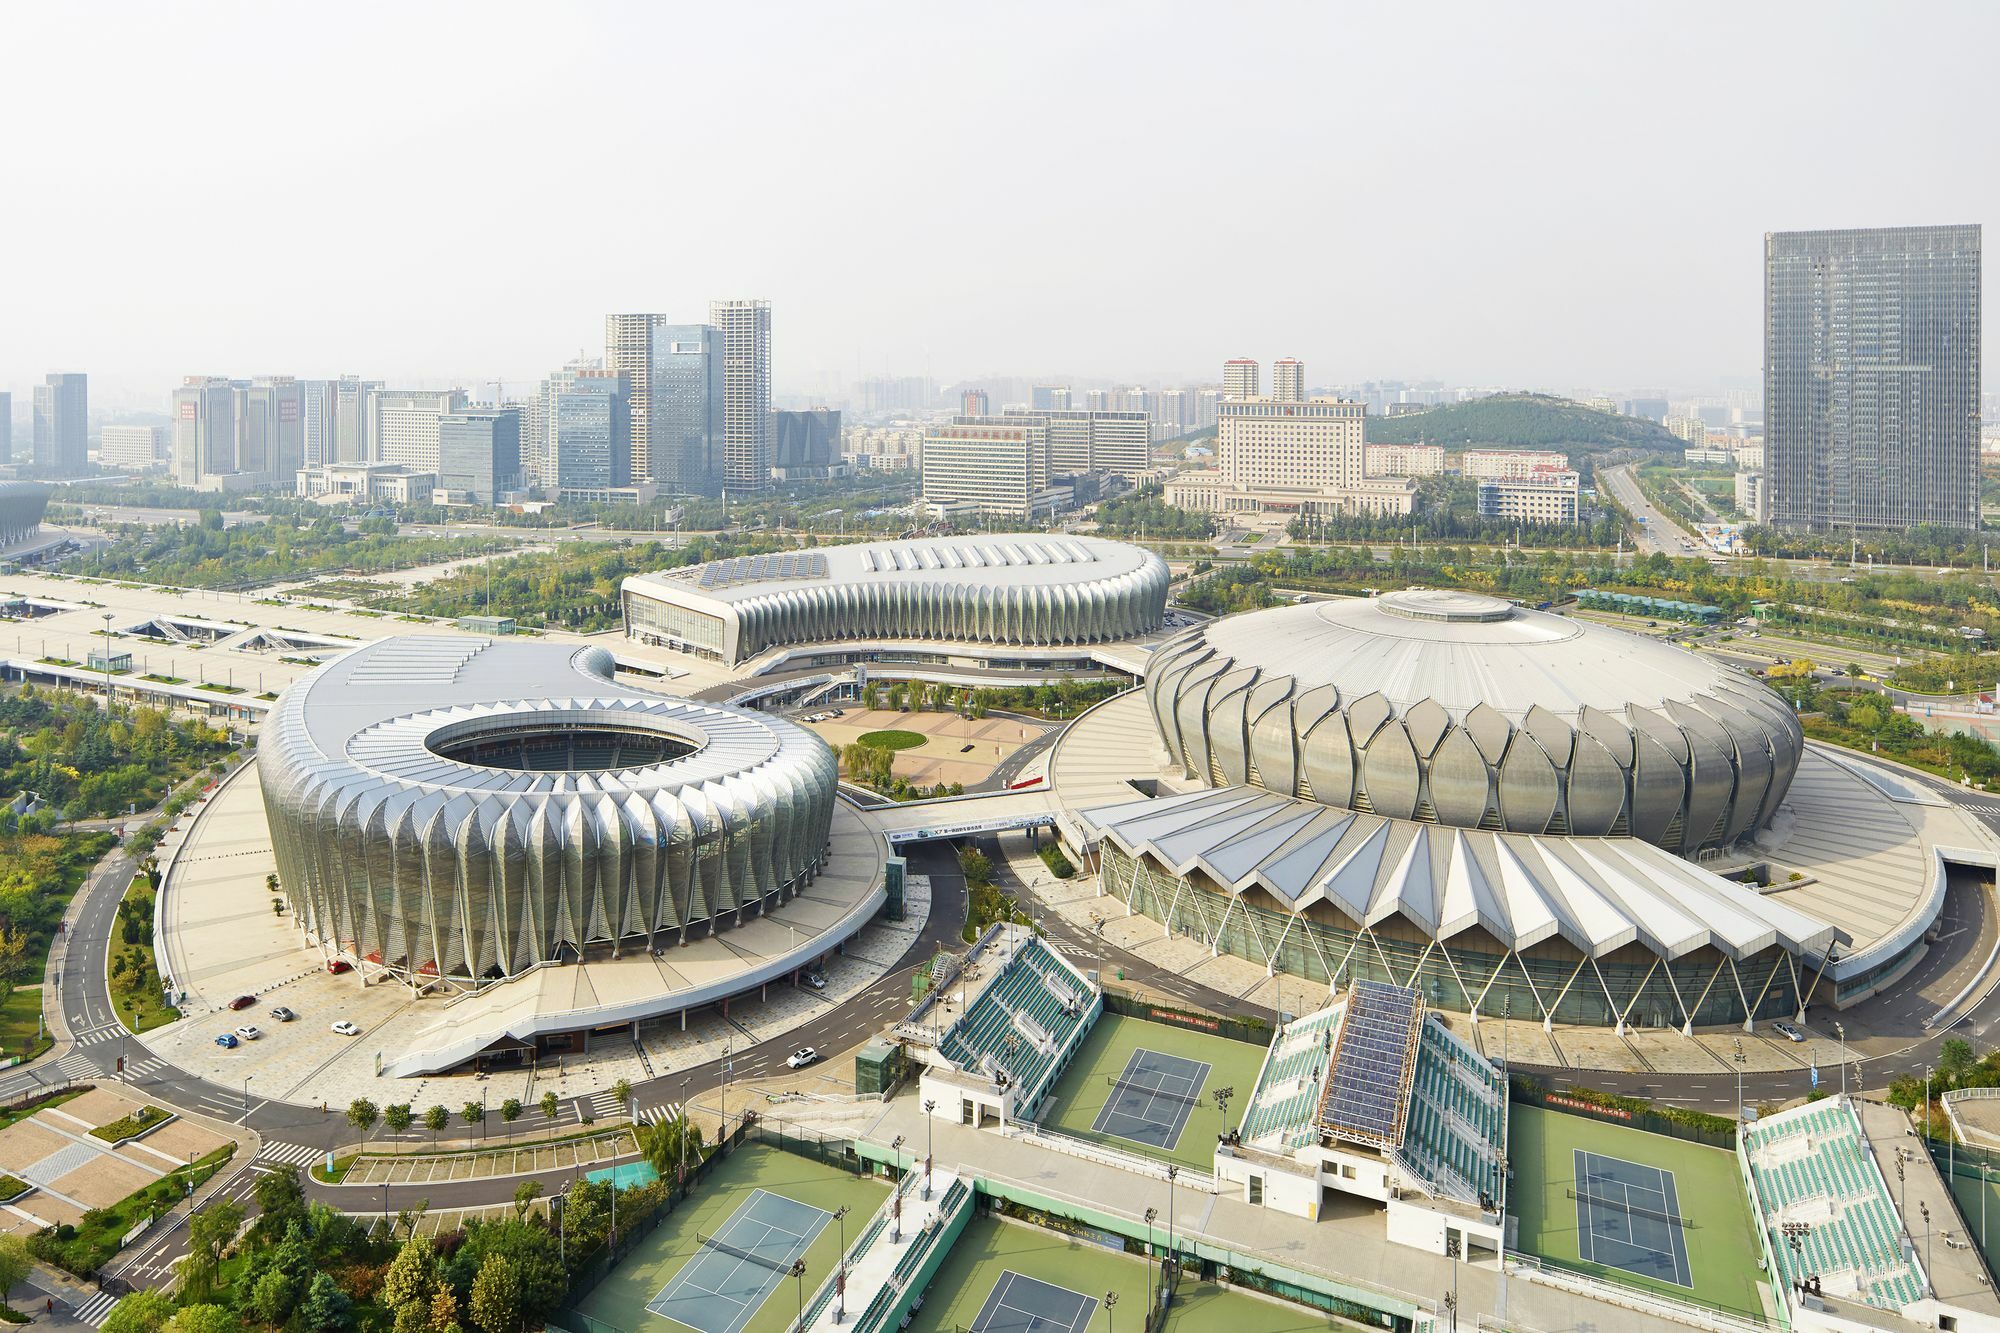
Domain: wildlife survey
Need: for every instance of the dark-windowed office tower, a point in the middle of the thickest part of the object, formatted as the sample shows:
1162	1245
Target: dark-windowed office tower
62	425
1871	377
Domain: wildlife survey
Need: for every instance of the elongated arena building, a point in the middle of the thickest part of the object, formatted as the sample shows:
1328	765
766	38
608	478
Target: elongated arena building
461	807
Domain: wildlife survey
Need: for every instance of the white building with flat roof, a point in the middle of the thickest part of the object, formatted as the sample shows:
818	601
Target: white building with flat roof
1403	460
1502	464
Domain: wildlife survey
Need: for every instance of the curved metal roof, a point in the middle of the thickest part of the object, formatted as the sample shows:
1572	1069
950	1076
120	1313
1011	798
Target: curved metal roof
1462	650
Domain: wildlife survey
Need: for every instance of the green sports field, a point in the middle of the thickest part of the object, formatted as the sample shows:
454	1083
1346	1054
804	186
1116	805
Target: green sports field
991	1247
1085	1086
620	1299
1721	1239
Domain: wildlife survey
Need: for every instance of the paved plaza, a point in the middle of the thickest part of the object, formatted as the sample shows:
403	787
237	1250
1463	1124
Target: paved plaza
73	1171
955	749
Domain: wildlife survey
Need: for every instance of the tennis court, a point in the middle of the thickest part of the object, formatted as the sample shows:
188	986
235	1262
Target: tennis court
1628	1216
735	1271
1029	1305
1103	1097
1152	1098
1594	1196
794	1183
1051	1272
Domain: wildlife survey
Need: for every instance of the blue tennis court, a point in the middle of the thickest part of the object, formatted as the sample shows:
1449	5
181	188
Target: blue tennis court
736	1270
1628	1216
1151	1100
1020	1304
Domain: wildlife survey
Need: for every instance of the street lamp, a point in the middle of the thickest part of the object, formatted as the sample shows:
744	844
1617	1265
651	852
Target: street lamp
107	661
1840	1030
840	1281
930	1105
1151	1213
799	1272
1173	1174
1110	1300
1741	1060
246	1093
684	1134
1930	1244
896	1228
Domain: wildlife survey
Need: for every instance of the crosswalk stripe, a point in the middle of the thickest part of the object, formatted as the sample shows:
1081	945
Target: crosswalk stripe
290	1154
659	1115
94	1311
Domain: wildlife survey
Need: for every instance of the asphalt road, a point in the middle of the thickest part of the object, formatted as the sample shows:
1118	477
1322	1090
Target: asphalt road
1659	531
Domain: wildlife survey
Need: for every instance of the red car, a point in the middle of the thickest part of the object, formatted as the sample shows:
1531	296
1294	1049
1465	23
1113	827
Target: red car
336	966
243	1002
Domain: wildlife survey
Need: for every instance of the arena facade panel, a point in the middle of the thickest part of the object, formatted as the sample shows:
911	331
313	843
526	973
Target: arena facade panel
1020	589
466	808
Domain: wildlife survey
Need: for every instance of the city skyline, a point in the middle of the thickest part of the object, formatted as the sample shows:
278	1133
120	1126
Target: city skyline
1585	206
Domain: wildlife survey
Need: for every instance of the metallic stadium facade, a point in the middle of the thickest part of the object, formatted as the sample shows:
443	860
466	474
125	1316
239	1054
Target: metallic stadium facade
1024	589
22	507
469	809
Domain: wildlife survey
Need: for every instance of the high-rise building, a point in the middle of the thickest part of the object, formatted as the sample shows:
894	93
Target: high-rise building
403	425
973	403
479	454
62	425
317	408
353	436
1871	377
988	465
1314	445
1119	443
590	431
807	444
204	445
133	448
745	327
6	427
1239	378
1049	398
1288	380
674	374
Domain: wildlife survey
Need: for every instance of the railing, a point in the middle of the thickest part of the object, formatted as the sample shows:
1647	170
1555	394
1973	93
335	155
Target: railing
1057	1141
1684	1311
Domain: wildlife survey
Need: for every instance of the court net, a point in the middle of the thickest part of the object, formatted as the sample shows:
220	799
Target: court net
1184	1098
1623	1206
771	1262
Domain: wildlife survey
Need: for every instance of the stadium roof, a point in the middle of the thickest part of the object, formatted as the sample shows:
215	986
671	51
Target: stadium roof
1462	649
1598	893
1015	559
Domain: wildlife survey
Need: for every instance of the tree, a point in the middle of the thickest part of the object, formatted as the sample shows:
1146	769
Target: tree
670	1143
622	1090
274	1295
204	1319
280	1199
497	1297
361	1114
397	1117
209	1233
510	1110
141	1312
13	959
327	1308
435	1120
412	1275
525	1195
474	1112
443	1313
15	1261
1955	1057
975	865
549	1105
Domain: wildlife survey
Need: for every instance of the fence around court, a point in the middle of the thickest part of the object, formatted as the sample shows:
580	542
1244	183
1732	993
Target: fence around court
1128	1004
1530	1091
1682	1310
1104	1155
1980	1169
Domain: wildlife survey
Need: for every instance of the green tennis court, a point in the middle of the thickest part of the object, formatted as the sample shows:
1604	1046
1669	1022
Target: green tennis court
1716	1250
620	1300
1085	1099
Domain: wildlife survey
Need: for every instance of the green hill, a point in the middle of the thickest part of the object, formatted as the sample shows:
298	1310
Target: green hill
1522	421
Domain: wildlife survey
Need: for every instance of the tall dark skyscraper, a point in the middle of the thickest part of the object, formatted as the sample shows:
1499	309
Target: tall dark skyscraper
1871	377
62	425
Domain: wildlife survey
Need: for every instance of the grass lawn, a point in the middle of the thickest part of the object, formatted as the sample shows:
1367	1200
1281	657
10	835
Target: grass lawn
21	1028
893	739
620	1299
991	1247
1084	1088
1721	1240
140	1007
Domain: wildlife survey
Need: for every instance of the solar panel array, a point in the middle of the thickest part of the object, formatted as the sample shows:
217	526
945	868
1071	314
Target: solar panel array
1374	1063
759	568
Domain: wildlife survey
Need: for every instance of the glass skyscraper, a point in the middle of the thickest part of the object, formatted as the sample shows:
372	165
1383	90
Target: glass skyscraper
1871	377
686	422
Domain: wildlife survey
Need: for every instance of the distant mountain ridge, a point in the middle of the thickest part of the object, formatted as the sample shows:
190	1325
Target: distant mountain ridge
1522	421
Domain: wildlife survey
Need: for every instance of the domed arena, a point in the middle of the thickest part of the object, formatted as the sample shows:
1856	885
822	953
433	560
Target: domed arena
1456	709
451	807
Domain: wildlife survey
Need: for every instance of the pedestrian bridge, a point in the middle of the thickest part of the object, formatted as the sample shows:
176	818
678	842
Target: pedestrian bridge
909	822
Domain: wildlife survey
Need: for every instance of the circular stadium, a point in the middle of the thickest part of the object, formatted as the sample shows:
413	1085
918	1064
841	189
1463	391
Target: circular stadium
22	507
1021	589
1457	709
449	807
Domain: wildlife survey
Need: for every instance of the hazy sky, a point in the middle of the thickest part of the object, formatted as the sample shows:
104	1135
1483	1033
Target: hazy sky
1531	194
